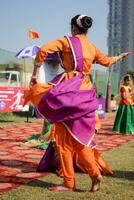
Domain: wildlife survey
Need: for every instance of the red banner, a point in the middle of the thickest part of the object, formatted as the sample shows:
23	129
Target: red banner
11	99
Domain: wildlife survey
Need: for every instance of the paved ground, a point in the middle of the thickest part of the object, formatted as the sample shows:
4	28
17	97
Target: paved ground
18	163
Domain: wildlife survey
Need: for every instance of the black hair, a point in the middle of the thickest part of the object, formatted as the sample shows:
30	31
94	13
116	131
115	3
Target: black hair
127	77
85	23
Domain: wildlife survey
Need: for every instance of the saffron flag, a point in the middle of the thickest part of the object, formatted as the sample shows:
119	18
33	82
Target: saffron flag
32	34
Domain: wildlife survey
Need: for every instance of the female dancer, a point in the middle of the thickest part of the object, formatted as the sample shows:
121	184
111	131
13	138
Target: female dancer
70	100
124	121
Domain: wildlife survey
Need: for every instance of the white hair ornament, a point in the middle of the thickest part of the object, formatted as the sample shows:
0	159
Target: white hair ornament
78	20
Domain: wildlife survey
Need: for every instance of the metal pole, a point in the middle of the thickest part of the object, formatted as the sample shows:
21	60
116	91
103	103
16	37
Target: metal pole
108	94
25	70
96	81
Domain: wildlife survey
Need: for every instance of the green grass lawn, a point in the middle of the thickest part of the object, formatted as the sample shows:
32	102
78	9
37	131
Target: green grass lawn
118	187
13	118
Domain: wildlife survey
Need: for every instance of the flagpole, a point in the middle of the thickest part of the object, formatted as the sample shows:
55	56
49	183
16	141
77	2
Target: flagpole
32	35
29	36
24	70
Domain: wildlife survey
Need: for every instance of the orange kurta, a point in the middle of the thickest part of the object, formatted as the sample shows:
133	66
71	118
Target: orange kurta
66	144
90	54
127	90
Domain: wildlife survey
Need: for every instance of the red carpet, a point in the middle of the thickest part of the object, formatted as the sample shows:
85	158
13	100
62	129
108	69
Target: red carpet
107	140
18	163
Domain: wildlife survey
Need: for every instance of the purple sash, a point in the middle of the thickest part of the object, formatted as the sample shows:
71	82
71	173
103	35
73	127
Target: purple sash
68	100
66	103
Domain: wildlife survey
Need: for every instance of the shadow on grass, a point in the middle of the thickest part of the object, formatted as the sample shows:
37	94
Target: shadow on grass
13	121
25	166
43	184
3	121
124	175
13	140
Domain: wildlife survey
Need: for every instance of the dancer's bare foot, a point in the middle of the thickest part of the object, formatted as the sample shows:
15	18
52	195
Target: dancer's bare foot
96	184
60	188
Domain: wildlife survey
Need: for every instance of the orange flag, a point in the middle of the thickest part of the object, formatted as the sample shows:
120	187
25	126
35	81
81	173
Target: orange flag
32	34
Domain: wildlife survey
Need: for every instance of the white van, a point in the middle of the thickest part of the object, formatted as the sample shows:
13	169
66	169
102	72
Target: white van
10	79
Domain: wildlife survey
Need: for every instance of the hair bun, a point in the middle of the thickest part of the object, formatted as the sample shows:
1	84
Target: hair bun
83	22
86	22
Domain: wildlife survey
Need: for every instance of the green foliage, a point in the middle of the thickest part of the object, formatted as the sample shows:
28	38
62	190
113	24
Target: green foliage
101	82
117	52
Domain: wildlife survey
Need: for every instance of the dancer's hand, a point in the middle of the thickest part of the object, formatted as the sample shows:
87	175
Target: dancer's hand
122	55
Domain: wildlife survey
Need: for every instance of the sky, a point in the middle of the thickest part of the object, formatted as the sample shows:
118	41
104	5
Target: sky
51	19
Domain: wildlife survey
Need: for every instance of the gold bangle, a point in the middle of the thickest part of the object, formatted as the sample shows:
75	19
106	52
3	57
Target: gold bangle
33	77
36	65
